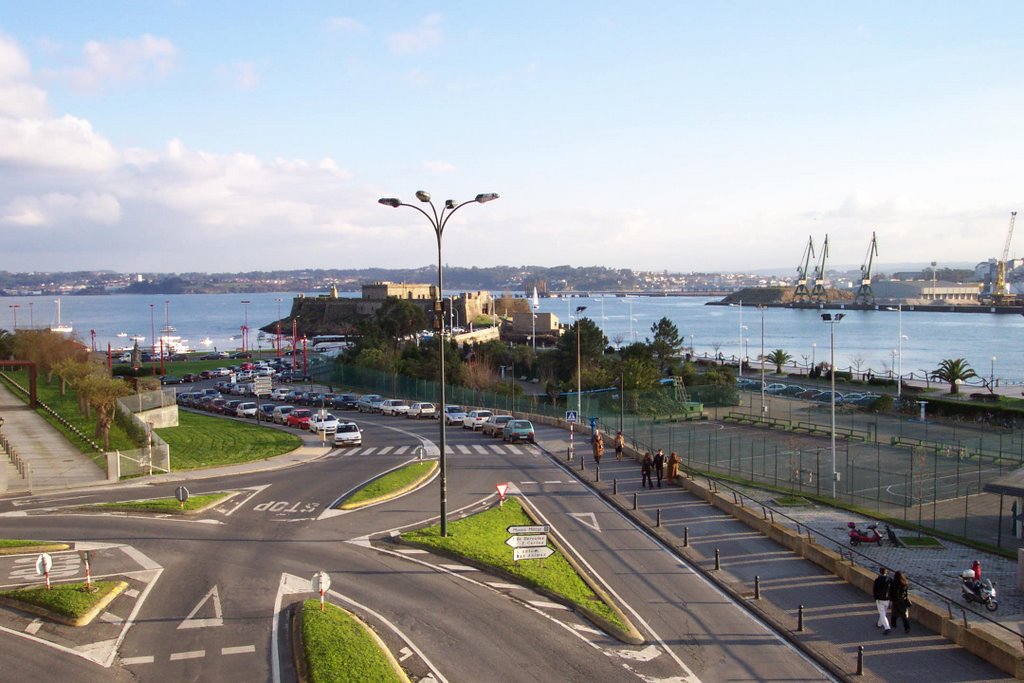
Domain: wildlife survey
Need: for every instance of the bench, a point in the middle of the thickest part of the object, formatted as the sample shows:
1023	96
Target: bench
847	433
756	420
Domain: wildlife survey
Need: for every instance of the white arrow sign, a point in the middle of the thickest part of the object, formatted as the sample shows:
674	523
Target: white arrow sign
531	553
527	541
539	529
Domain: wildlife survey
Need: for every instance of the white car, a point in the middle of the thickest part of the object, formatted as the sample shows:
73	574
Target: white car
418	410
323	422
475	420
394	406
246	410
348	434
454	415
280	414
278	394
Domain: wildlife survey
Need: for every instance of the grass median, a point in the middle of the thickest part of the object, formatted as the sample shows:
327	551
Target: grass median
208	441
338	648
14	546
481	538
394	482
163	505
69	600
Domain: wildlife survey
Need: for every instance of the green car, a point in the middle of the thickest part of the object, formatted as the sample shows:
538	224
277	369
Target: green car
518	430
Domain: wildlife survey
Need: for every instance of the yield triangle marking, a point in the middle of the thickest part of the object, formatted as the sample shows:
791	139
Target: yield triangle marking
586	518
217	620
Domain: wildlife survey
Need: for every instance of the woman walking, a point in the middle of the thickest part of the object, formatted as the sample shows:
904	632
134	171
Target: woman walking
901	601
645	470
673	466
620	441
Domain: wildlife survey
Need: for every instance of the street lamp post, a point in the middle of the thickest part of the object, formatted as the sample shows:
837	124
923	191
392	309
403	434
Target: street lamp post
438	221
278	327
764	406
992	375
14	309
899	354
832	320
31	316
152	339
579	383
245	329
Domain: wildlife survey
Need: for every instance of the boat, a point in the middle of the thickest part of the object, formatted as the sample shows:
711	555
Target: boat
206	341
138	338
58	326
122	334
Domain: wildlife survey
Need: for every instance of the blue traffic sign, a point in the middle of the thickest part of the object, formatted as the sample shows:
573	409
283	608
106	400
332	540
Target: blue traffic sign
571	416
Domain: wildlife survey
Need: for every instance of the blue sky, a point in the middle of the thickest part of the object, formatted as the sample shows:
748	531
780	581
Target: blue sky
675	136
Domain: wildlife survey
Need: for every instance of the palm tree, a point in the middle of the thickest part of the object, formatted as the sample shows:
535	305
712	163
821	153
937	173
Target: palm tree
778	358
954	371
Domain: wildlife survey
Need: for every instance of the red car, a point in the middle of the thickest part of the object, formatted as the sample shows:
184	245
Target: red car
299	418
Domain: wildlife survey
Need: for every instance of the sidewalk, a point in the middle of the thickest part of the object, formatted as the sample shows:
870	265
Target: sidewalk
838	617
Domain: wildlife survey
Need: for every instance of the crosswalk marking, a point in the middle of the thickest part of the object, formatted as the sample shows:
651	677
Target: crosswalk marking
386	450
401	450
434	451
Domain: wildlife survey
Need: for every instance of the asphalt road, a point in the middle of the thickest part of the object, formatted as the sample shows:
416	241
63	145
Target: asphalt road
209	595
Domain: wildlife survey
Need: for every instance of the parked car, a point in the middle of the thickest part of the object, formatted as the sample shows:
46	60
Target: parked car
518	430
453	415
346	401
299	418
791	390
169	379
246	409
280	414
216	355
808	395
266	412
366	401
475	420
348	434
394	406
493	425
190	377
826	397
323	422
418	410
775	388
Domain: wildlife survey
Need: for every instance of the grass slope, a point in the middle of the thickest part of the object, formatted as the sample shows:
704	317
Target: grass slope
208	441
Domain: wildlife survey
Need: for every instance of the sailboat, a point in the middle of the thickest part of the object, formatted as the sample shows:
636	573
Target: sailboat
58	326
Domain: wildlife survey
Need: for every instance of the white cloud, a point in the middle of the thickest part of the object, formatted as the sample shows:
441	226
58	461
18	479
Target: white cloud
18	96
129	61
66	143
344	25
439	166
239	75
54	208
426	35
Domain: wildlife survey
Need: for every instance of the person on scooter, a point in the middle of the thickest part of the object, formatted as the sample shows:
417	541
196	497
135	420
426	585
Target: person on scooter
882	590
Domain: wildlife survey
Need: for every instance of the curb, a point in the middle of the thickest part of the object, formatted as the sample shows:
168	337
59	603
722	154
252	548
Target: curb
83	620
412	486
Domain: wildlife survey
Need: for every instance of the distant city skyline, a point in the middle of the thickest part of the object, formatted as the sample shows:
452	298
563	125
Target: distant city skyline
680	136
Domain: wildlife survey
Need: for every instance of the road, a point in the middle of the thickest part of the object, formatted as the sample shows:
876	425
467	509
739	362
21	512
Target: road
209	594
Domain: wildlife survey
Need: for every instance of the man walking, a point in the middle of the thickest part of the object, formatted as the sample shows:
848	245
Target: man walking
620	441
882	591
659	465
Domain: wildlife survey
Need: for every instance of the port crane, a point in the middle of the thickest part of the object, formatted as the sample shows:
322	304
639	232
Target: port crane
865	295
818	293
999	292
802	293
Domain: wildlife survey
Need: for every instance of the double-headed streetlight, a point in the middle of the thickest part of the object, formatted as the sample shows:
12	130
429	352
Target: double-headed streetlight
832	320
245	328
14	309
438	221
764	406
579	385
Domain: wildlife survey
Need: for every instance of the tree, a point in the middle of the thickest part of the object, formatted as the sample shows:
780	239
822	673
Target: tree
666	341
954	371
102	394
399	319
778	358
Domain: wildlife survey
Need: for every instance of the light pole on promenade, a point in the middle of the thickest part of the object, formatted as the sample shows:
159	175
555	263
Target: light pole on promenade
245	328
278	327
152	339
764	406
14	309
992	375
832	320
579	385
438	221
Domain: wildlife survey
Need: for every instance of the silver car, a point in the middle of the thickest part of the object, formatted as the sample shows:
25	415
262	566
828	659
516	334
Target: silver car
348	434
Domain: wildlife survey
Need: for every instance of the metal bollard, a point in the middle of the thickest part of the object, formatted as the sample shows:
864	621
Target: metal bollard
583	463
757	587
658	522
597	473
860	660
800	619
615	487
634	500
686	537
718	560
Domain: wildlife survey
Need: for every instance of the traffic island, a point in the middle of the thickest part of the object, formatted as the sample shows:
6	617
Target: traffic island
389	485
333	645
193	505
482	541
12	546
73	604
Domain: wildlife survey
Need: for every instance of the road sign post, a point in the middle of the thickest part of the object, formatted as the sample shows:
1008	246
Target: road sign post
571	416
181	494
84	554
321	582
501	493
531	553
535	541
43	564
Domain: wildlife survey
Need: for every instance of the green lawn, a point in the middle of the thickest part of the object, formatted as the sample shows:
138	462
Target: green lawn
208	441
338	649
67	599
13	546
481	537
67	407
406	476
164	505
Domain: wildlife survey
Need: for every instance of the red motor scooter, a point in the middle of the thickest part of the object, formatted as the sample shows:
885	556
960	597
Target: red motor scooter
858	536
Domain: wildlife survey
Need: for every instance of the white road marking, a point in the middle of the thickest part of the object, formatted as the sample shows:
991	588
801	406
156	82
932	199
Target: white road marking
369	451
34	626
505	586
128	661
542	604
401	450
645	655
218	618
192	654
586	518
386	449
139	558
554	481
256	490
411	551
111	618
288	585
239	650
132	593
459	568
405	654
481	450
528	483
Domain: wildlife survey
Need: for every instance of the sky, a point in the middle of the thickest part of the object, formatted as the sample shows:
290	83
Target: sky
684	136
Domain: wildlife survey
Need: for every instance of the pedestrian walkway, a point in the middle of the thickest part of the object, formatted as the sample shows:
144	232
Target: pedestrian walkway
837	616
54	462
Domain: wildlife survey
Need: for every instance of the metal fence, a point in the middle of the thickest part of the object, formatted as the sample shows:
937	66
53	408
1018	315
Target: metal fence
156	455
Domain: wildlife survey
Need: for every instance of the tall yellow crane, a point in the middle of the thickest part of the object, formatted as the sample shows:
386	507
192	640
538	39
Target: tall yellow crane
999	292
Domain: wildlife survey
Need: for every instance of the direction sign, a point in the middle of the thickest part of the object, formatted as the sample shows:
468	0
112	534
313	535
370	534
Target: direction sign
531	553
571	416
181	494
43	564
261	386
538	529
537	541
